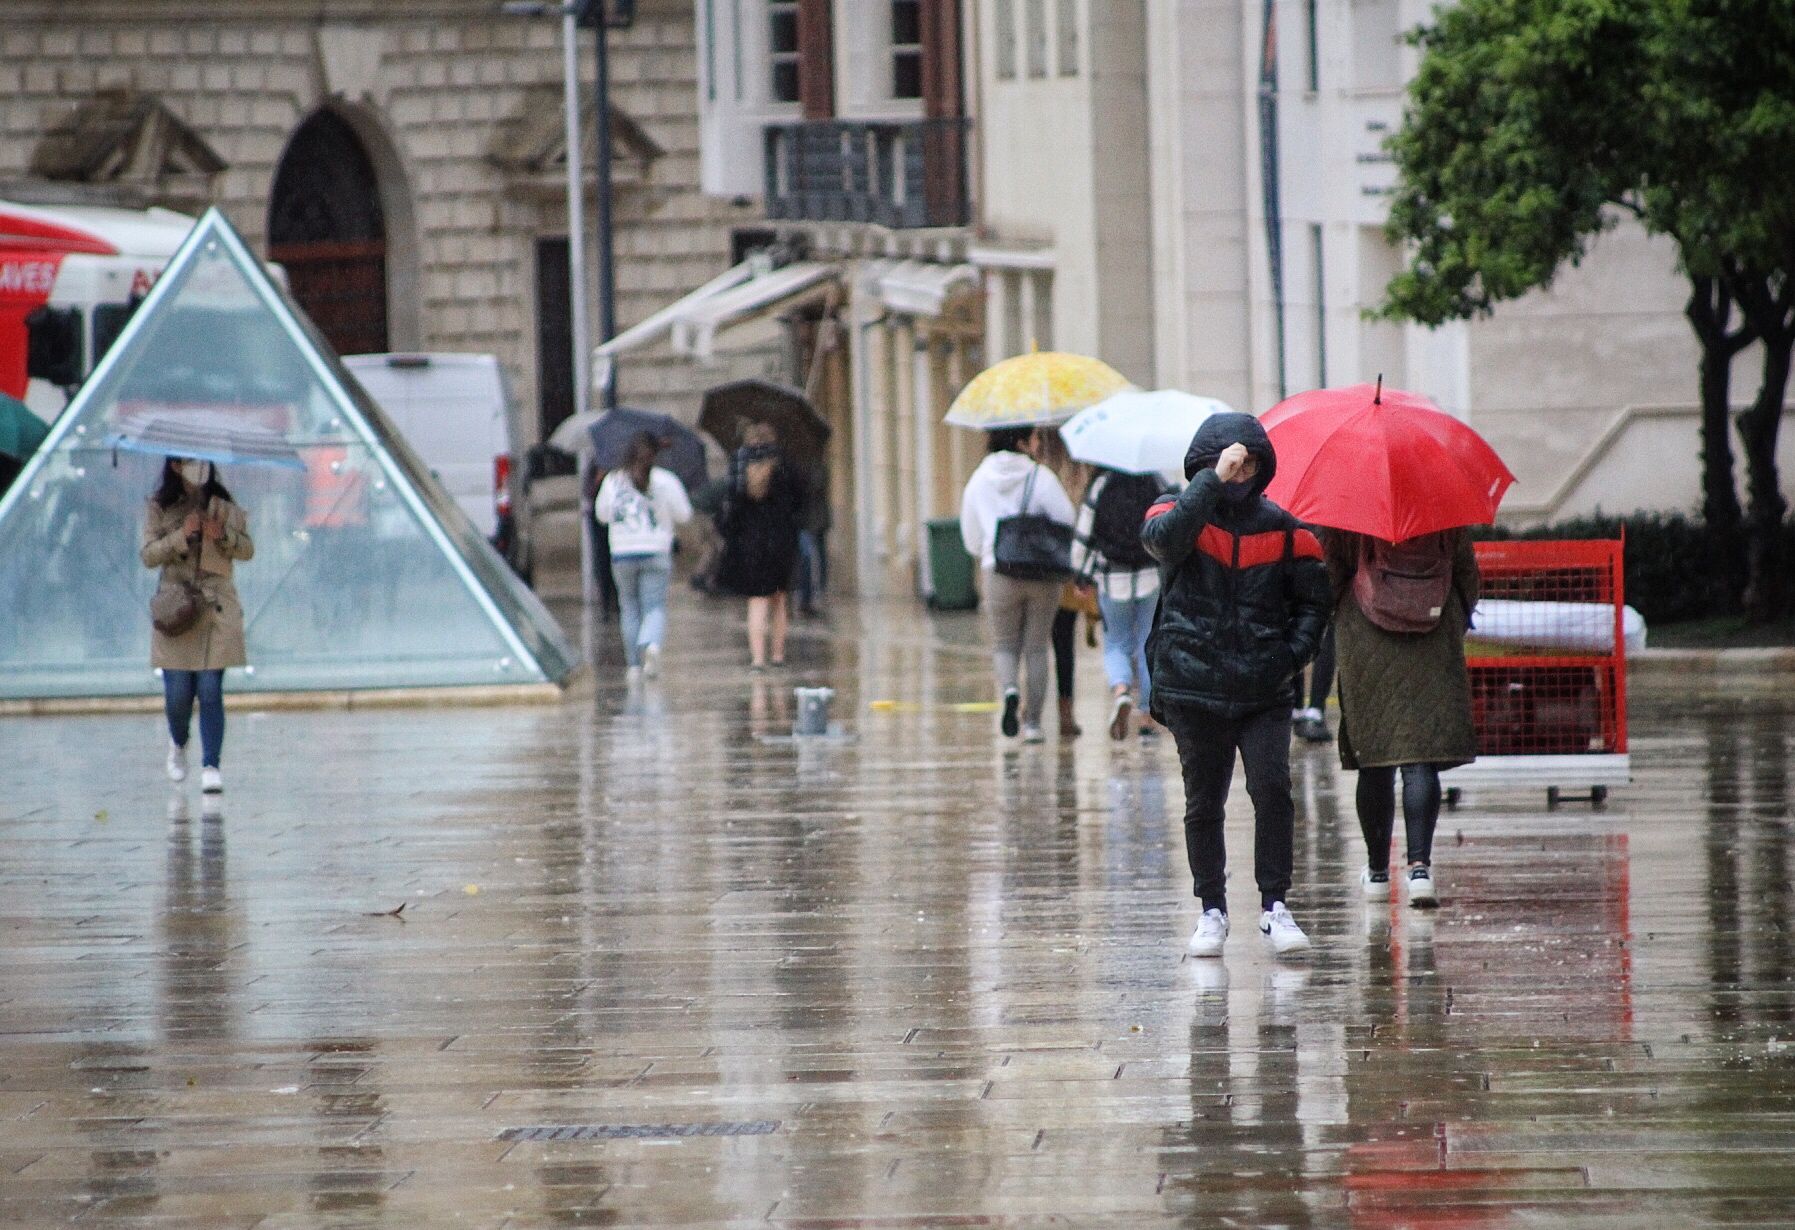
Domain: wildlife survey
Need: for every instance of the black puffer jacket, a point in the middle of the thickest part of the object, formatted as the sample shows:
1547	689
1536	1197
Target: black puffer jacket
1246	596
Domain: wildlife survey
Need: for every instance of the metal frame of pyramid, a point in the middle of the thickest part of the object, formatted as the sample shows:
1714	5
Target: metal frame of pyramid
531	648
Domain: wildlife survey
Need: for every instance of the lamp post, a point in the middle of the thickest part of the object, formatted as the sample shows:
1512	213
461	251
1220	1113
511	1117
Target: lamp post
601	16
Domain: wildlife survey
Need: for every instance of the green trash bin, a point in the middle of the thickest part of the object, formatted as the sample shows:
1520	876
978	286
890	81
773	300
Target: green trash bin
950	568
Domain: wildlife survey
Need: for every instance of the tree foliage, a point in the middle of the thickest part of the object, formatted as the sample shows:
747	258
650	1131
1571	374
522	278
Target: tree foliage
1534	125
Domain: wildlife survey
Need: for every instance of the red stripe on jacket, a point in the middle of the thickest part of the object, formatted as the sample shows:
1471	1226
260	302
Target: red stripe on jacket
1255	549
1159	509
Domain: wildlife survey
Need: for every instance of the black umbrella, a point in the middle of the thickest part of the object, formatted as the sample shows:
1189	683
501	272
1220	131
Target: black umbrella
730	408
682	449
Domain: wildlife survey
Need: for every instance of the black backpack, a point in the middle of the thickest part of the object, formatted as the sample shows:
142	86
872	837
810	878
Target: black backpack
1120	511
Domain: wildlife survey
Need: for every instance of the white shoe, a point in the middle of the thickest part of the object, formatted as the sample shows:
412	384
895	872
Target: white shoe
1421	888
632	676
1118	716
651	661
1375	889
1280	928
211	781
177	762
1210	935
1033	734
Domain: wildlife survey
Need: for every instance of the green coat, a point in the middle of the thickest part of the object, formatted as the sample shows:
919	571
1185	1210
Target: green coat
1405	698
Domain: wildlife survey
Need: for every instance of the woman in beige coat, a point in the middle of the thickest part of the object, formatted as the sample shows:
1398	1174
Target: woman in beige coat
193	532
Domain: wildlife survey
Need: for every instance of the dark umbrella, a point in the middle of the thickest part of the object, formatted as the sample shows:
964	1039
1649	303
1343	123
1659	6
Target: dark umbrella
730	408
682	449
20	430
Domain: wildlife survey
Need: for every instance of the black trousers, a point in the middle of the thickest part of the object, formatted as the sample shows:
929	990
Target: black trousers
1065	633
1207	743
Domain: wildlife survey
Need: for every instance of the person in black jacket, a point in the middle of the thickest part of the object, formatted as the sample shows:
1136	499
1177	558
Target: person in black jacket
1245	602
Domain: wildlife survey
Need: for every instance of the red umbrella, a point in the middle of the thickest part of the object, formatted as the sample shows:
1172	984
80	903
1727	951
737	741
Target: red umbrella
1381	462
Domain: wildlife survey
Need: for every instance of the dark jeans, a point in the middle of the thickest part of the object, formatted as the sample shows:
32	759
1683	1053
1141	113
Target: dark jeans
1065	632
179	688
1206	746
813	569
1376	799
1321	674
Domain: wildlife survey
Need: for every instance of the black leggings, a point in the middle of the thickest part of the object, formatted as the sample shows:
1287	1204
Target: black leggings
1420	811
1065	628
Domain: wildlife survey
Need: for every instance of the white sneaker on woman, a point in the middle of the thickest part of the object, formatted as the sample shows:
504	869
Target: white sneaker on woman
1280	928
651	661
177	762
1421	888
1376	887
1210	935
211	781
1033	734
1119	710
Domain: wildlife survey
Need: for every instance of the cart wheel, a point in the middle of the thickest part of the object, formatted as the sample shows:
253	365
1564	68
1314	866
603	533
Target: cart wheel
1551	798
1598	795
1452	797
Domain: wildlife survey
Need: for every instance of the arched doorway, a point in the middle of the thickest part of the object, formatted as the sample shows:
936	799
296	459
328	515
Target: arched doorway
327	229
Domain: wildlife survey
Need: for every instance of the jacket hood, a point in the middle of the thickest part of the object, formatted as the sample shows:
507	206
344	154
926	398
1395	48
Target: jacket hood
1218	432
1005	473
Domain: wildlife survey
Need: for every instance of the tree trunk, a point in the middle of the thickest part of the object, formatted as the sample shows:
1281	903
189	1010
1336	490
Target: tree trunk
1765	591
1710	311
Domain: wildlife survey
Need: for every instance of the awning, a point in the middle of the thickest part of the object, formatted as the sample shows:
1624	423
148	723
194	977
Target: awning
695	331
695	319
922	288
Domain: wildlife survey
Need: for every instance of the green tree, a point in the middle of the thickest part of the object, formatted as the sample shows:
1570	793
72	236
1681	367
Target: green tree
1534	125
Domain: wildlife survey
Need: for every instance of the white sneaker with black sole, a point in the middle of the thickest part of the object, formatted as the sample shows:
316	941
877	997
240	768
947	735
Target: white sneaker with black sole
1374	884
1033	734
1280	928
211	780
651	661
176	765
1421	888
1012	706
1210	935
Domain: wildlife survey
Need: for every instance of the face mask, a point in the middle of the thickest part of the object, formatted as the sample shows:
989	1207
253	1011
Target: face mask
1238	492
196	473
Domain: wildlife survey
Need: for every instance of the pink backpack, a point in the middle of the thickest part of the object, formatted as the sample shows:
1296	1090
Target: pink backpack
1403	586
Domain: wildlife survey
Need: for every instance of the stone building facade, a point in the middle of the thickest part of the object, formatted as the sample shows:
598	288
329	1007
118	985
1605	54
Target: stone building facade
455	109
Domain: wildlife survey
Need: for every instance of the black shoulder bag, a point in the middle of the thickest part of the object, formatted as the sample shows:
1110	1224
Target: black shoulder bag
1032	546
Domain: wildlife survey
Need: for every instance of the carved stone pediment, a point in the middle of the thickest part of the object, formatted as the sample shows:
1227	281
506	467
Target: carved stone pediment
531	146
130	140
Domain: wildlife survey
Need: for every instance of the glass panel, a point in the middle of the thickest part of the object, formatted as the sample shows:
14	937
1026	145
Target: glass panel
365	573
1035	15
785	28
906	23
785	81
1006	40
1067	38
906	74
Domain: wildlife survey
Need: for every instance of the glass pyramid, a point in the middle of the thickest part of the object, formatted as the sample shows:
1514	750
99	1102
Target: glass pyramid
365	575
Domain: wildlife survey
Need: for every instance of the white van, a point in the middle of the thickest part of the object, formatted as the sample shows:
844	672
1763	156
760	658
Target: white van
456	412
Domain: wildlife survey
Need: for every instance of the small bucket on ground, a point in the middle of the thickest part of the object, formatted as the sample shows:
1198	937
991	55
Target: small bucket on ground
813	710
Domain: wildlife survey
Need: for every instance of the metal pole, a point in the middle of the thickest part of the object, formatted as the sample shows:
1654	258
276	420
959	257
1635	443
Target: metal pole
576	280
607	282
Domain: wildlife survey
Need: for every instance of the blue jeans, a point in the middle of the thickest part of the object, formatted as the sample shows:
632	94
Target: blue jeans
178	691
1126	623
642	582
813	569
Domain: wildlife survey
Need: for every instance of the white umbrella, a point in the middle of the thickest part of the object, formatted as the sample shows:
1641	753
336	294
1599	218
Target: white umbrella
1140	432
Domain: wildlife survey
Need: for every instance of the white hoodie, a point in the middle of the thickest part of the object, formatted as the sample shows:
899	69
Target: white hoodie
995	491
642	525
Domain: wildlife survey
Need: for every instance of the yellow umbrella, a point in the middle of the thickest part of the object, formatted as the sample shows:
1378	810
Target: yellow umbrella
1034	390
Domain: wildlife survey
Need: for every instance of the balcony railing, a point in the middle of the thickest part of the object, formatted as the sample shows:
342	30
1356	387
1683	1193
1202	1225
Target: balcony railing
901	174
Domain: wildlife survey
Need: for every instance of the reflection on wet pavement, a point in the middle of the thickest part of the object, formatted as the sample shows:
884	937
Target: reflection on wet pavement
658	966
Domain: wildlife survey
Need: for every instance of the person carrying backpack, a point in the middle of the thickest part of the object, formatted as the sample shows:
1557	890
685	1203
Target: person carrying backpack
1107	554
1244	604
1400	615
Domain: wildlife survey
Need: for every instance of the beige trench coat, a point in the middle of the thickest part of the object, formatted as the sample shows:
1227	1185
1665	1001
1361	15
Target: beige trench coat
216	640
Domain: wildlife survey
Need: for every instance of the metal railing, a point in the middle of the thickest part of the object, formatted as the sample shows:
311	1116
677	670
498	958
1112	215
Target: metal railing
902	174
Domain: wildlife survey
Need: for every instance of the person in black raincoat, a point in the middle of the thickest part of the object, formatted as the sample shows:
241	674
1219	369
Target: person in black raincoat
1245	601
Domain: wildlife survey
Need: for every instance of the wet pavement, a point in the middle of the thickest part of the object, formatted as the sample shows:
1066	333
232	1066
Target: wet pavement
658	965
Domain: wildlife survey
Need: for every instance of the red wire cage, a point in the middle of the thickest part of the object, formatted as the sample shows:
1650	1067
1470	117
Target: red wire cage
1548	666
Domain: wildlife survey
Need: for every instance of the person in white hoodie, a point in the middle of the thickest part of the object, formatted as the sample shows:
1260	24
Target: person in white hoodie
1020	613
641	504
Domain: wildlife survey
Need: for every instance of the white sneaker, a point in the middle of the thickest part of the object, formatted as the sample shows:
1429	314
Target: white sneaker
177	762
211	781
651	661
632	676
1375	887
1033	734
1210	935
1421	888
1118	716
1280	928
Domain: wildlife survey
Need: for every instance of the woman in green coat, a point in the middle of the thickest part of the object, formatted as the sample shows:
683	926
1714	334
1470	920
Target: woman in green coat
1405	699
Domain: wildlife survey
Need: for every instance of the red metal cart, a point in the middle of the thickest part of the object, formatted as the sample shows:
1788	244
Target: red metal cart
1548	670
